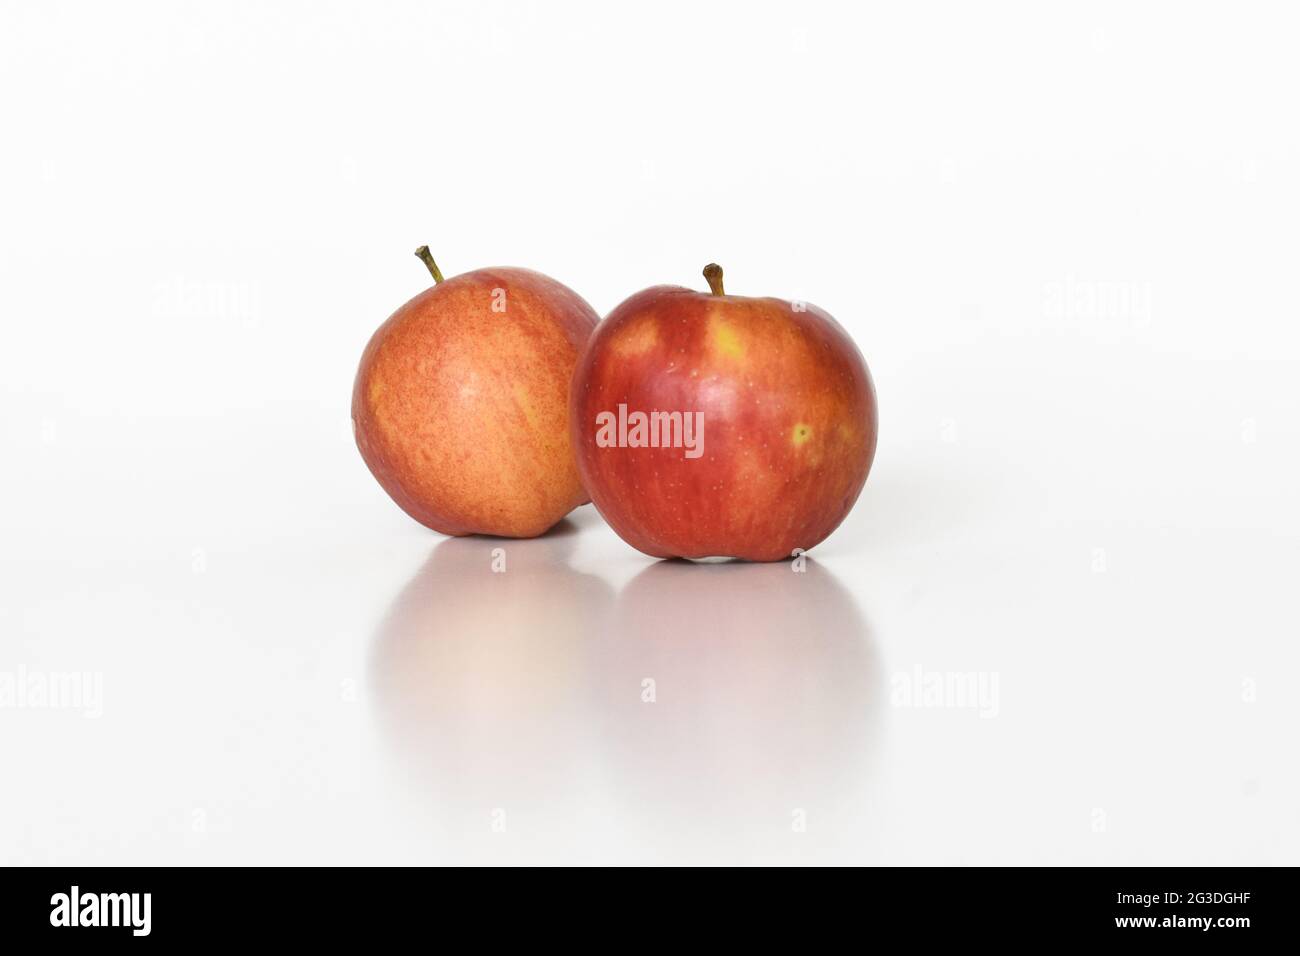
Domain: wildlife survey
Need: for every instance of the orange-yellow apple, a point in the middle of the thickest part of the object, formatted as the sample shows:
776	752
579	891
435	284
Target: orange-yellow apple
460	403
709	424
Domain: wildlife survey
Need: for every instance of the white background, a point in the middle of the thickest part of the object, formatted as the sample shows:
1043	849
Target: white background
1064	236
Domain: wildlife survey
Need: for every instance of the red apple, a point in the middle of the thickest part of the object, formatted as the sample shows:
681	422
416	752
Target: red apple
709	424
460	405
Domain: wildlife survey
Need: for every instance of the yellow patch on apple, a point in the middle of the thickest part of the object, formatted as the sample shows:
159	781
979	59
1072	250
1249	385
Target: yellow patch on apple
637	340
726	340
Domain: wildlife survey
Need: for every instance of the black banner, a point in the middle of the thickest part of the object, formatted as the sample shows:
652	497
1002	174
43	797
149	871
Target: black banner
1171	906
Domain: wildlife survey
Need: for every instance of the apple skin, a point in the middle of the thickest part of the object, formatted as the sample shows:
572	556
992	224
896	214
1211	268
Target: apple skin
461	412
789	413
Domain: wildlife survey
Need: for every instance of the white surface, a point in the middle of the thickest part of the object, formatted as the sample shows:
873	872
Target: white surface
1065	239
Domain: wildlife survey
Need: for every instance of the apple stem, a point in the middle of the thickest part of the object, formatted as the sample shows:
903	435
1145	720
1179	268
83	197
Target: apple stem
427	258
713	272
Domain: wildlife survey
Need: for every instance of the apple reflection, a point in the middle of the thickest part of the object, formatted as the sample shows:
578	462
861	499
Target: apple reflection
740	709
480	677
712	711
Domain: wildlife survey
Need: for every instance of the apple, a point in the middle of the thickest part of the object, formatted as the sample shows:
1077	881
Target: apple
715	425
460	405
